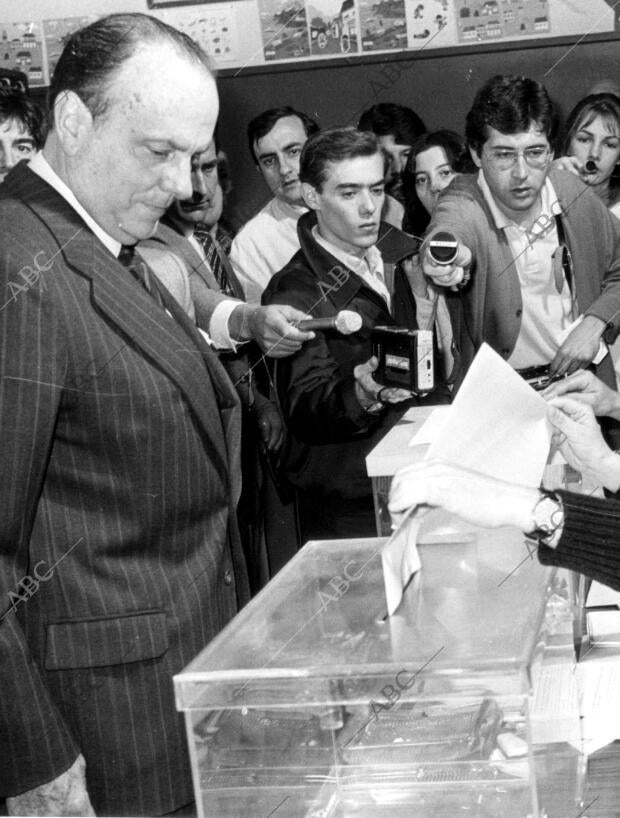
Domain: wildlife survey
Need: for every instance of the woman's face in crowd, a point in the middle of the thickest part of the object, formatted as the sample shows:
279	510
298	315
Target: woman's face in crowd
433	172
597	142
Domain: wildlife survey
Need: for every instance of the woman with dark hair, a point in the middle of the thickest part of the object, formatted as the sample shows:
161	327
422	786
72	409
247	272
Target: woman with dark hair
434	161
593	140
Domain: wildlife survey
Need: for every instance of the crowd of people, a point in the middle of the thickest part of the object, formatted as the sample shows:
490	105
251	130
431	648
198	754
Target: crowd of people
165	395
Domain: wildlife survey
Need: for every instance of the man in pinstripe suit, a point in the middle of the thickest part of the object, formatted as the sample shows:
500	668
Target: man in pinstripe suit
119	434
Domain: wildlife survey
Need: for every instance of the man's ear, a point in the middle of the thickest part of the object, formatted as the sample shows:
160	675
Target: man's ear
73	121
475	157
310	196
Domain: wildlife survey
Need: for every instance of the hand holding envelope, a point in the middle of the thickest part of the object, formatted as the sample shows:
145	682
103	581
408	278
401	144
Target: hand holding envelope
496	425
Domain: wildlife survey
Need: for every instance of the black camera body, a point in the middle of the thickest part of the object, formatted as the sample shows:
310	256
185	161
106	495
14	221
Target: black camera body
538	377
405	358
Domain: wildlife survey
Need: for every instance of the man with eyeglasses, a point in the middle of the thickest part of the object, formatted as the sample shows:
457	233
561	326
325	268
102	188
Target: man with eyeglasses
536	250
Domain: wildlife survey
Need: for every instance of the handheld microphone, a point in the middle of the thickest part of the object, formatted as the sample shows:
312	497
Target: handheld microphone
346	322
443	248
590	166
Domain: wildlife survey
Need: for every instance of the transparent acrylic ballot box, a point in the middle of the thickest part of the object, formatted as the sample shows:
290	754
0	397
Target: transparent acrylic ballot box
313	703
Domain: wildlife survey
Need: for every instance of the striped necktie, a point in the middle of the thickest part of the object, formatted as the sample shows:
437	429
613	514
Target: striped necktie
214	259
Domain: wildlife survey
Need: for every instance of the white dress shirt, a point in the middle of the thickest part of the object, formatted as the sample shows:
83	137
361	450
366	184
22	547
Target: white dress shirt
368	267
546	312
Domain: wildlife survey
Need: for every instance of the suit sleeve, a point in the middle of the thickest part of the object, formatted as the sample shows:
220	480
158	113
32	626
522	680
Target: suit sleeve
589	541
607	305
316	393
456	212
35	743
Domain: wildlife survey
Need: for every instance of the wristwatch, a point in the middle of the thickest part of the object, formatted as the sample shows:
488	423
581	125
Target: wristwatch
548	514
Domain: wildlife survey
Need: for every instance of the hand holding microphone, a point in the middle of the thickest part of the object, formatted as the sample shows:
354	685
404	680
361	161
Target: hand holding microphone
345	322
446	260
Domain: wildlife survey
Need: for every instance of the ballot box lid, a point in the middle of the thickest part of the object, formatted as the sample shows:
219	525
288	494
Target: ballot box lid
470	620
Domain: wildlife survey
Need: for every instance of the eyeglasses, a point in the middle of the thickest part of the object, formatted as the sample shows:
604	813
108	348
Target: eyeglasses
504	159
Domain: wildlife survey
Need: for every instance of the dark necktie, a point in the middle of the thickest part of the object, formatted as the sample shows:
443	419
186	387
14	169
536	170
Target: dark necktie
139	270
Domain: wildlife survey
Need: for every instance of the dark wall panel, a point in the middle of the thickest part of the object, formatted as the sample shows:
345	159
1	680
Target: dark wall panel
440	88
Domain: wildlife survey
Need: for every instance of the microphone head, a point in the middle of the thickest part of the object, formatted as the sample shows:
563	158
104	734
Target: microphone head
348	322
443	247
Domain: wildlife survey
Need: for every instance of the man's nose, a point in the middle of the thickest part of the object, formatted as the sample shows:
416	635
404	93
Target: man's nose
178	178
285	165
367	202
520	169
400	164
199	187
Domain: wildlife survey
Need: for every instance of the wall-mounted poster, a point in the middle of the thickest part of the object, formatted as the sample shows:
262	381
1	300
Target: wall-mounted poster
56	33
162	4
482	20
383	25
569	17
21	48
333	27
213	28
430	24
284	29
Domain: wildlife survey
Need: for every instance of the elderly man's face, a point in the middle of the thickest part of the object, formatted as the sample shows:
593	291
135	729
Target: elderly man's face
135	159
16	143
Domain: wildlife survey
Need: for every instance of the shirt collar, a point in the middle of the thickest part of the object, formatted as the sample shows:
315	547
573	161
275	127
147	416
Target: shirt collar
286	209
549	202
372	256
42	168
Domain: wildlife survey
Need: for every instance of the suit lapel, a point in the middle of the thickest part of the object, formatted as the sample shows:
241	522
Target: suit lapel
135	313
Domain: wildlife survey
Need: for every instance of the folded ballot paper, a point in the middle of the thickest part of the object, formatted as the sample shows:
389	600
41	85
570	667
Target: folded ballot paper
497	424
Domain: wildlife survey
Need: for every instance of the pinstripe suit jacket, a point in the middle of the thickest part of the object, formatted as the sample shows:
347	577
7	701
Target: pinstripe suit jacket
118	477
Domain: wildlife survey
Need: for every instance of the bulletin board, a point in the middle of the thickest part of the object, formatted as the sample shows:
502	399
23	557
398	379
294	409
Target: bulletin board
253	33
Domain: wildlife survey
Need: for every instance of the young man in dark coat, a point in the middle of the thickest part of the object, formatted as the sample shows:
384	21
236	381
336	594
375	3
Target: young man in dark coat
335	410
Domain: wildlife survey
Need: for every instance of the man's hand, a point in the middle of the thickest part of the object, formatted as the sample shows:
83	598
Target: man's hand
580	347
448	275
368	391
569	163
273	328
269	423
583	386
416	278
476	498
579	438
65	795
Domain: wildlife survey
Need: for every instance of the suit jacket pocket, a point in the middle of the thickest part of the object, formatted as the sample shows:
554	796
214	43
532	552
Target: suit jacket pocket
106	641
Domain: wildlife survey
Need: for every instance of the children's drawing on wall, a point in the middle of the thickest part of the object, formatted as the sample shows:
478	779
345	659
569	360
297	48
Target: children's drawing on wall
284	29
21	48
480	20
383	25
333	27
213	28
430	23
